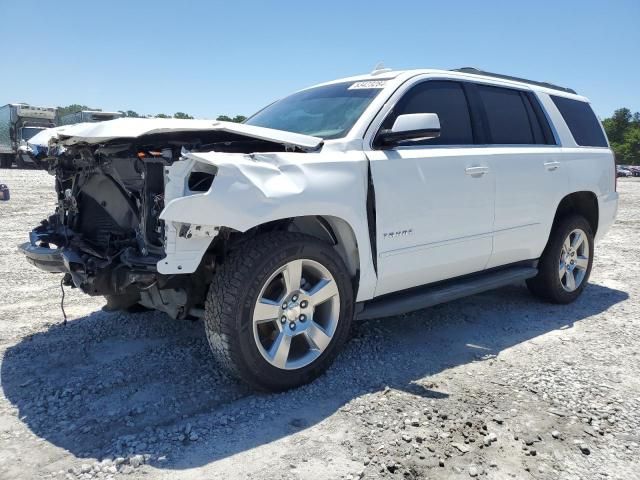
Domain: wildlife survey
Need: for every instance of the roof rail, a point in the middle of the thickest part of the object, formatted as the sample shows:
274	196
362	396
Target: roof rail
476	71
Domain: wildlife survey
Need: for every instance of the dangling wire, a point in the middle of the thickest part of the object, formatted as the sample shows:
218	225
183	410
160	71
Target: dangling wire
64	314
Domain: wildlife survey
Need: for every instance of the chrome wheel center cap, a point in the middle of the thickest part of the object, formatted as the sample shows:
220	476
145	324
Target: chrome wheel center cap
294	313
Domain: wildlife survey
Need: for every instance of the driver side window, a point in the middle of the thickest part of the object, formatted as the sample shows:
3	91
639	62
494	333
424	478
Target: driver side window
448	100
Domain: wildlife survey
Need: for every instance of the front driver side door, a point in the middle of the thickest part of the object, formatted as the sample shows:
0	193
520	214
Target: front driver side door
434	199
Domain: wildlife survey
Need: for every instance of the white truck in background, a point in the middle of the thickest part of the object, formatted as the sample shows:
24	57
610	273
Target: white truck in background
18	123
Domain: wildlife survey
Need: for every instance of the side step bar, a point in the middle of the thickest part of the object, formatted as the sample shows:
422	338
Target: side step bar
423	297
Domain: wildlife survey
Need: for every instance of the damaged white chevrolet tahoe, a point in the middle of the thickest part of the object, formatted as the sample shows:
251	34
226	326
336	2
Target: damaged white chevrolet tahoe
359	198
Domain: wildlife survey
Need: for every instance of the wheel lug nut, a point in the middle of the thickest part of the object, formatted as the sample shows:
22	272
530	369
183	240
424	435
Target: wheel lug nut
283	319
304	304
292	326
284	306
294	298
303	317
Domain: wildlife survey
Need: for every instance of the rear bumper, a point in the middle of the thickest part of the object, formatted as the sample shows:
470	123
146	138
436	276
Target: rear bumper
607	211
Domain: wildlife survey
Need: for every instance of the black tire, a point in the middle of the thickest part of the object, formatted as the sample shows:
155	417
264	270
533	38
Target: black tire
20	163
234	291
547	285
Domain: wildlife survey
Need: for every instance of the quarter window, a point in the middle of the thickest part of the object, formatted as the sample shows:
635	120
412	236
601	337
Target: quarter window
445	98
582	122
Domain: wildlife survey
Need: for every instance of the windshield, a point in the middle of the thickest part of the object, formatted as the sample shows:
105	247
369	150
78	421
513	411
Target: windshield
326	112
28	132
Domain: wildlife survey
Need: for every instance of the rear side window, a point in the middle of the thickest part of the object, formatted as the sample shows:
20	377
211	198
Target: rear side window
509	116
445	98
582	122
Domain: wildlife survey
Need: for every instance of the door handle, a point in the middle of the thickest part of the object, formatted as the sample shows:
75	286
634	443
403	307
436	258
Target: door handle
476	171
552	165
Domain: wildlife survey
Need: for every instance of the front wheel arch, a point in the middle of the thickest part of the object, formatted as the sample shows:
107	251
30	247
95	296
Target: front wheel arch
330	229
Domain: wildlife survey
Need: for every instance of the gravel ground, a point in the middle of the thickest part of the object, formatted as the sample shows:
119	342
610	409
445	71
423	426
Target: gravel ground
497	385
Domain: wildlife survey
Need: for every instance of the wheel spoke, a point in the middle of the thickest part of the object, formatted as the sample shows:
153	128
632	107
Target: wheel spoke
562	270
279	351
292	275
577	241
323	291
566	246
317	337
571	281
266	311
582	262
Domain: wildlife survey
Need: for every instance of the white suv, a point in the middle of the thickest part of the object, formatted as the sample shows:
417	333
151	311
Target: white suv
359	198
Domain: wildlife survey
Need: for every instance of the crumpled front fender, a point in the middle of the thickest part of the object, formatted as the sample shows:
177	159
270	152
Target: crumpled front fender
250	190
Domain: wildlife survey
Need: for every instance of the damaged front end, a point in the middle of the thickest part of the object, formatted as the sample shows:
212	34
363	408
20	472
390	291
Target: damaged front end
107	235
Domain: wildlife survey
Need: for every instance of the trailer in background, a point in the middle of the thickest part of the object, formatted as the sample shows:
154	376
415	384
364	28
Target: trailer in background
18	123
91	116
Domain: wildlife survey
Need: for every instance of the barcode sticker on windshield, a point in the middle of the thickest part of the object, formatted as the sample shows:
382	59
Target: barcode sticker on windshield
368	84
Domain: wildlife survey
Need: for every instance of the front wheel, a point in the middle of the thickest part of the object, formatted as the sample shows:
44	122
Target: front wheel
565	265
279	309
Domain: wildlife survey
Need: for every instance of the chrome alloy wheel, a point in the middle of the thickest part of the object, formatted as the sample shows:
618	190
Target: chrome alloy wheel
574	260
296	314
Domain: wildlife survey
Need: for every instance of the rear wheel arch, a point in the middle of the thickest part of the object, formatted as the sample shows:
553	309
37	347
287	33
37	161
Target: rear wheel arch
583	203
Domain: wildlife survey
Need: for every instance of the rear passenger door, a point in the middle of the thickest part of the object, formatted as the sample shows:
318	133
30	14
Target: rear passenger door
528	170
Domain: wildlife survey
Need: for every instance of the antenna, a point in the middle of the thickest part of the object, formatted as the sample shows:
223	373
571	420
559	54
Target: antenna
380	68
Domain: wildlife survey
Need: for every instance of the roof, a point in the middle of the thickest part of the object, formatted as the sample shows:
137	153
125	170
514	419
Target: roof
475	71
386	74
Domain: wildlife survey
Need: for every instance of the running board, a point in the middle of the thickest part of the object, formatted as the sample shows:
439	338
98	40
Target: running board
423	297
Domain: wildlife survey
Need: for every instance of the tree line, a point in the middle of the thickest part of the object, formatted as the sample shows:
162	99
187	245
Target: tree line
62	111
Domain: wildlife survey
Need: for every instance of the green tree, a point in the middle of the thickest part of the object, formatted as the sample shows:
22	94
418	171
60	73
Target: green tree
182	115
617	125
236	119
162	115
623	130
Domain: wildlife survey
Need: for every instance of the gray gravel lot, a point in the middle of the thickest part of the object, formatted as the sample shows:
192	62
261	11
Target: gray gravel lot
497	385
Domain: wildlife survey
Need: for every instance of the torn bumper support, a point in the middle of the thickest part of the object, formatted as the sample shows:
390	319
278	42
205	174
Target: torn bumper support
93	275
54	260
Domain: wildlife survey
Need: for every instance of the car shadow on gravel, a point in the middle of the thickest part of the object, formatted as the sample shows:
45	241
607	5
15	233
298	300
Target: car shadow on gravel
111	384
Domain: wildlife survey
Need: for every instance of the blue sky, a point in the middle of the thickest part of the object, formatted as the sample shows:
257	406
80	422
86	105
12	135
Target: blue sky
208	58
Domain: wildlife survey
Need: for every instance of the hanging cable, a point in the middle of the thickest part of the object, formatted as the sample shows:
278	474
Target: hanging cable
64	314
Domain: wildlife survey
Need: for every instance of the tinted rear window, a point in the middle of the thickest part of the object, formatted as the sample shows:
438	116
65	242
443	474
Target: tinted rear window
582	122
507	116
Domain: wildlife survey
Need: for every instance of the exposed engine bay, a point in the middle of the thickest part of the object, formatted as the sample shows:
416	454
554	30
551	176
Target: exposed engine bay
106	229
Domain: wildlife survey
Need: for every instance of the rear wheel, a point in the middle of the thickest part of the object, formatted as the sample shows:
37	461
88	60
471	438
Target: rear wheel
279	309
565	265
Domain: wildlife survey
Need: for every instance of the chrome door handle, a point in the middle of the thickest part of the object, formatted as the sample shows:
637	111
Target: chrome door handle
476	171
552	165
